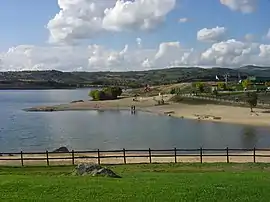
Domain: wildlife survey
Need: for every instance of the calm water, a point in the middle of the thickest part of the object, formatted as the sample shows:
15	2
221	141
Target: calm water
38	131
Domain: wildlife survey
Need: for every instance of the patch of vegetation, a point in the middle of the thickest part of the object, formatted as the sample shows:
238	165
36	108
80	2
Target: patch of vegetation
131	79
191	100
252	99
109	93
152	182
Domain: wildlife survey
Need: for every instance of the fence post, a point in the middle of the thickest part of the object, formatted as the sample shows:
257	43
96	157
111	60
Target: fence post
98	157
22	158
73	160
124	156
227	151
150	158
175	157
254	155
47	157
201	154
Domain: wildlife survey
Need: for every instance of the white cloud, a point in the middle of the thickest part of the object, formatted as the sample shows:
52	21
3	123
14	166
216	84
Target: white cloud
147	64
28	57
139	14
244	6
249	37
84	19
183	20
230	53
211	35
139	42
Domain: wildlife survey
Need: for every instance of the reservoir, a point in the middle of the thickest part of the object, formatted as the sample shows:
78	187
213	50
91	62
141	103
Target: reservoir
87	130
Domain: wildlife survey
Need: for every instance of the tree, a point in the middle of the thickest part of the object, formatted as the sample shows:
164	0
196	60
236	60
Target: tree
92	94
252	99
97	94
267	84
173	91
117	91
108	93
215	92
200	87
112	92
222	86
246	83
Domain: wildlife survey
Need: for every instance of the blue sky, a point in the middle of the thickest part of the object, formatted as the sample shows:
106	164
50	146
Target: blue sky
25	23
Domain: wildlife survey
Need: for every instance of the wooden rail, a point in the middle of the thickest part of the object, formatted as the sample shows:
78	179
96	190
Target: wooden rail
148	155
199	97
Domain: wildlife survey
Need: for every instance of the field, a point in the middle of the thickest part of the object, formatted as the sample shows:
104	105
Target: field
153	182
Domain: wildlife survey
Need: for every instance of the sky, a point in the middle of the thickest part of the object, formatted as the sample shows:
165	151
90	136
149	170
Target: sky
124	35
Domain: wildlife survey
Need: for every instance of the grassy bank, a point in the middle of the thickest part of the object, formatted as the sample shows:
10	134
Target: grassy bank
156	182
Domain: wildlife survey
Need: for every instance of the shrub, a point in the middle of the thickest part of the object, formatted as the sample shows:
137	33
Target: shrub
173	91
252	99
108	93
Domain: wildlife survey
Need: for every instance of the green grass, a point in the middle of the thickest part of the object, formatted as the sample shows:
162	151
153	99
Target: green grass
156	182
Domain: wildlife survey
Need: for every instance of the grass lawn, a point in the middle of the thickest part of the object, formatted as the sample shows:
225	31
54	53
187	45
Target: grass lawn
152	182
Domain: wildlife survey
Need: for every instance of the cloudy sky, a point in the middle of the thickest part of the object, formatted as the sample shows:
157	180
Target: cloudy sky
121	35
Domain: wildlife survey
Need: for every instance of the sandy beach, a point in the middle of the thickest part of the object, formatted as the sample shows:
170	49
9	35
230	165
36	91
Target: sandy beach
206	112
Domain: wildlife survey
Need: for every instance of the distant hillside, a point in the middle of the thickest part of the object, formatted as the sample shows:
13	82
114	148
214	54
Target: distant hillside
58	79
256	70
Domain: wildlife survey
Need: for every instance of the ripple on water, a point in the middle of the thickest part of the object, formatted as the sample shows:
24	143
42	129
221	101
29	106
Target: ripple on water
27	137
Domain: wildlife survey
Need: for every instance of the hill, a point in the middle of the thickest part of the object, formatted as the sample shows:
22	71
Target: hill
58	79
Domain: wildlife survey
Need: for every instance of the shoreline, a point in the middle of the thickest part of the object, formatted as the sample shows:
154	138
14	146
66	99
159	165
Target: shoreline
208	112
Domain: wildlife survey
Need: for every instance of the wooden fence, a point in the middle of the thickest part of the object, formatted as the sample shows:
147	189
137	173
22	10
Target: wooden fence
124	156
232	101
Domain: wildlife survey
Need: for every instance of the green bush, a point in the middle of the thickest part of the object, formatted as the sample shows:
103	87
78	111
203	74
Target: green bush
108	93
173	91
252	99
215	92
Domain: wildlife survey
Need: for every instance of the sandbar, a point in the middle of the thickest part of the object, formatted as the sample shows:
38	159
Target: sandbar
203	112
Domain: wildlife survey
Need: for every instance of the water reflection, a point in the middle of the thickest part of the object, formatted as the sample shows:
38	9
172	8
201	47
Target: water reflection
249	137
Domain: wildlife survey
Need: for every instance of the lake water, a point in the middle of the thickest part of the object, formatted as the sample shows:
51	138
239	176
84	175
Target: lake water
86	130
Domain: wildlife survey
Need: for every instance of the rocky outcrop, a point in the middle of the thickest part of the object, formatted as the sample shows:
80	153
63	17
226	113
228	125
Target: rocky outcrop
94	170
76	101
61	150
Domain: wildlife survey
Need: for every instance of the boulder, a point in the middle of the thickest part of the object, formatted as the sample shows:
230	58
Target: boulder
61	150
76	101
94	170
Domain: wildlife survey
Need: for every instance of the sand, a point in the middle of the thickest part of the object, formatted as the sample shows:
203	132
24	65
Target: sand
208	112
66	159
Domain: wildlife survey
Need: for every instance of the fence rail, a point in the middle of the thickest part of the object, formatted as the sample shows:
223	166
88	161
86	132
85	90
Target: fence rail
261	104
138	156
